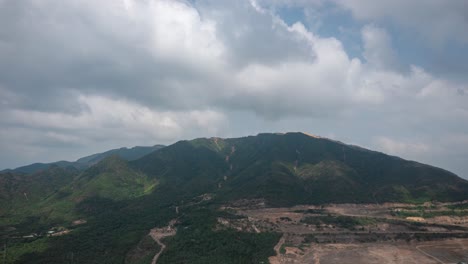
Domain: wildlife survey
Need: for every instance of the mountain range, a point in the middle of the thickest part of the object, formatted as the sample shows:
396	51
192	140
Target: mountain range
123	193
85	162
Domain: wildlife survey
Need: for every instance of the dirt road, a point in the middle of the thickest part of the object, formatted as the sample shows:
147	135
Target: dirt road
159	233
277	258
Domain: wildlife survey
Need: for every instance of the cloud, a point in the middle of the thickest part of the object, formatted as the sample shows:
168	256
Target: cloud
106	123
169	55
401	148
180	34
378	50
438	21
115	118
449	151
153	47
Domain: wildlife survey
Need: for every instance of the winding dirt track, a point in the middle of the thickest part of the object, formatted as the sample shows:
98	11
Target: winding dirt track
277	258
157	234
155	258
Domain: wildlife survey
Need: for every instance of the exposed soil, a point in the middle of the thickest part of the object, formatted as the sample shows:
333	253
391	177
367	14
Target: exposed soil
355	233
277	259
159	233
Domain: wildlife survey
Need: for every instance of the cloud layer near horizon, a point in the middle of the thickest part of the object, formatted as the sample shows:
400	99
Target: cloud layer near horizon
81	76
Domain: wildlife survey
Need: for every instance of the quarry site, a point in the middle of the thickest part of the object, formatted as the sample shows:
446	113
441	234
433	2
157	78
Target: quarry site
358	233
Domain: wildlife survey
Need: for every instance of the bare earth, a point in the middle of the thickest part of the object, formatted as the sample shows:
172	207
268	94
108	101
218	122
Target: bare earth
159	233
382	236
447	251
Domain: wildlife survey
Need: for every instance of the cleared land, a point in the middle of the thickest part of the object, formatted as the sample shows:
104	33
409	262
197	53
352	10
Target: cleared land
358	233
158	234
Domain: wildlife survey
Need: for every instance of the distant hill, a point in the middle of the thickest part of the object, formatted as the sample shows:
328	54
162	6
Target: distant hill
35	167
111	178
21	193
85	162
124	153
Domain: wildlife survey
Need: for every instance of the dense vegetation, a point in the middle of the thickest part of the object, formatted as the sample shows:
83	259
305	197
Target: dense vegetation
429	213
143	252
113	229
197	242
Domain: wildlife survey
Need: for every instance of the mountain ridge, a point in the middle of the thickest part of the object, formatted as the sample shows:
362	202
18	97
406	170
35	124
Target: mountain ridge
283	154
87	161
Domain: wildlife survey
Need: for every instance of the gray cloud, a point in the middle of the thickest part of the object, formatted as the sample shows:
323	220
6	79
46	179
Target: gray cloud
378	50
254	36
439	21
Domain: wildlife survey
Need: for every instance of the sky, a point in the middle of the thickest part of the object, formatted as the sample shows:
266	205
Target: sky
83	76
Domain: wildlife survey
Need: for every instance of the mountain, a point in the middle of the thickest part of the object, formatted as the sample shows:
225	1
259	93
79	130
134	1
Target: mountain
124	153
85	162
21	194
296	168
36	167
122	197
111	178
